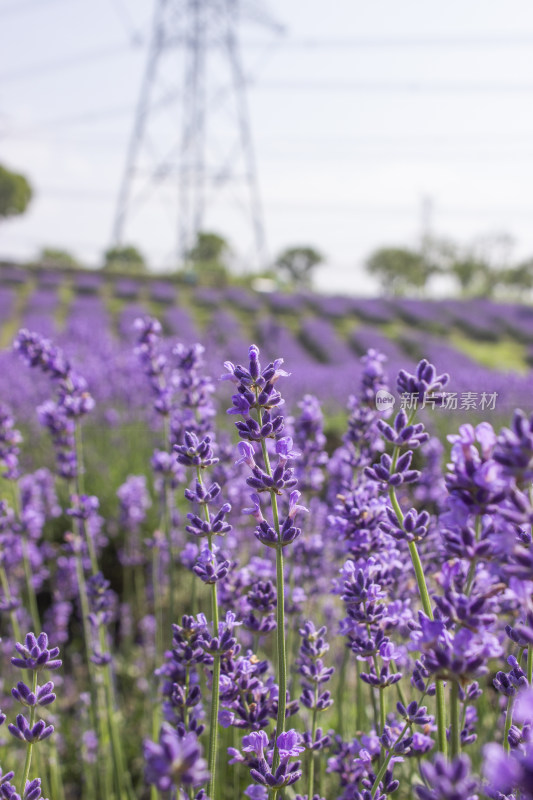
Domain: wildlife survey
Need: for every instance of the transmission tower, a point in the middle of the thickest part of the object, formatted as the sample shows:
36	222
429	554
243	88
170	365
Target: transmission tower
190	162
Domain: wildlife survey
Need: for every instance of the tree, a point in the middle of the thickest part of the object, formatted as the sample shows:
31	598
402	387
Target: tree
481	267
15	193
208	257
208	247
124	259
296	264
471	274
519	278
400	270
55	257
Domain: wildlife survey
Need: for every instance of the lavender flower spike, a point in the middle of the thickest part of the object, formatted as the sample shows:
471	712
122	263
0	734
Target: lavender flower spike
34	654
30	733
175	761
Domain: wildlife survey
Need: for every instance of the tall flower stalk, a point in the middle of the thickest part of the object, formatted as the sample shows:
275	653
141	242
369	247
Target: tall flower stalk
209	567
33	656
257	401
405	436
62	417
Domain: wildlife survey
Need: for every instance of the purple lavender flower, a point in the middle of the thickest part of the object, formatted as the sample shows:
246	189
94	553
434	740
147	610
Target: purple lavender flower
35	655
30	733
73	398
255	743
42	696
311	667
401	434
447	781
134	502
175	761
475	480
456	654
393	474
195	452
506	773
310	439
32	790
288	746
424	383
209	567
413	528
10	438
40	352
514	449
256	792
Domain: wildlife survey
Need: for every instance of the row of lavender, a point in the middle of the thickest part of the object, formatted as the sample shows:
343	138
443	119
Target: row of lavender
483	317
325	361
206	670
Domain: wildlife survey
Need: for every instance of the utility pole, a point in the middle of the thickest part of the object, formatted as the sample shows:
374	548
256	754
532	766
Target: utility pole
191	146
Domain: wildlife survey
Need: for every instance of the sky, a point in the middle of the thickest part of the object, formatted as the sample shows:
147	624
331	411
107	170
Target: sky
371	123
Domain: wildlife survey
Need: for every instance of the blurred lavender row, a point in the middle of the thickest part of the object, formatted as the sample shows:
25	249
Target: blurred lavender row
91	316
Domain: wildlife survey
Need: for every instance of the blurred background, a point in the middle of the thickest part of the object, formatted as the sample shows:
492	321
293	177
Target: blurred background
342	129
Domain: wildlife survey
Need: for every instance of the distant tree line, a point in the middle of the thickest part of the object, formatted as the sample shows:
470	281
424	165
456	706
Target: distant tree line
483	268
208	261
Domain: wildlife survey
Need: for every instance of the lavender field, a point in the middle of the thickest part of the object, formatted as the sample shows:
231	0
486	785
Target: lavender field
487	347
272	586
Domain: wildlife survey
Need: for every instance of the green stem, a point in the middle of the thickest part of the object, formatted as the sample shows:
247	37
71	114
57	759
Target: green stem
167	526
508	723
473	563
213	728
376	669
428	611
96	707
374	705
280	614
32	598
282	658
455	726
122	777
215	690
509	710
529	663
382	713
194	601
27	763
383	768
34	611
340	689
7	594
311	776
80	489
401	695
360	705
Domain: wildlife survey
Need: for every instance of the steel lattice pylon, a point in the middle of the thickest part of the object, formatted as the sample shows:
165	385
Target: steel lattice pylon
191	143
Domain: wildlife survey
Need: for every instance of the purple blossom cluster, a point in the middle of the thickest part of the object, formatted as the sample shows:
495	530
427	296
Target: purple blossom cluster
297	614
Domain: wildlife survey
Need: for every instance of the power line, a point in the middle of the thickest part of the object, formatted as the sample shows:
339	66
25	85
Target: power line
415	87
323	86
373	141
132	31
370	42
335	207
19	7
75	119
137	40
43	68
